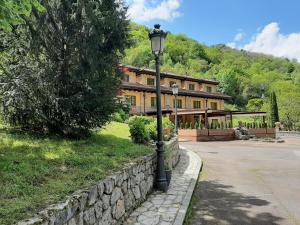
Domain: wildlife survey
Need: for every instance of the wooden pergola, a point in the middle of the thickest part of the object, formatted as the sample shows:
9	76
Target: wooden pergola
217	113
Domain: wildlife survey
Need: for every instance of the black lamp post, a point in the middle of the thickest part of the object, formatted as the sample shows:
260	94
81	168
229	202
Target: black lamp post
175	93
157	37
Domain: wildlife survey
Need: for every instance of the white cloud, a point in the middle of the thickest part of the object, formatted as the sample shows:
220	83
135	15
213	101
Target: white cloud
145	10
271	41
238	37
231	44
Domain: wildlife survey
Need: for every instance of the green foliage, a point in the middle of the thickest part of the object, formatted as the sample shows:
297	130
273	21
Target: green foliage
60	69
13	12
143	128
121	116
274	116
39	171
297	126
255	104
152	128
138	130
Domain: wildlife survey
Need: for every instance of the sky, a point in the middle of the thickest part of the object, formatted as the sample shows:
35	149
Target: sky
264	26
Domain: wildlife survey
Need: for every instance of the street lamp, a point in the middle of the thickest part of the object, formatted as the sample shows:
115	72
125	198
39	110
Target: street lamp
175	93
157	37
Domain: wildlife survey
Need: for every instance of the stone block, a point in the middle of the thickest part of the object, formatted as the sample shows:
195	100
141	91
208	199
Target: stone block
118	210
143	189
106	218
129	200
119	179
124	187
100	188
79	219
98	209
109	185
136	192
83	200
106	201
89	217
116	195
92	196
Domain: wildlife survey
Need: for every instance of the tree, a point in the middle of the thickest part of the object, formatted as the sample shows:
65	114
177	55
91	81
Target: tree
274	116
13	11
60	73
255	104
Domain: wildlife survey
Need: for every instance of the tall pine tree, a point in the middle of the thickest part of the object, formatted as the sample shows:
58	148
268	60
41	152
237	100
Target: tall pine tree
60	73
274	115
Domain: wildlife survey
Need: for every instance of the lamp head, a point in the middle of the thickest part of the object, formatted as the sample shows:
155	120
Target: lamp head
157	38
175	89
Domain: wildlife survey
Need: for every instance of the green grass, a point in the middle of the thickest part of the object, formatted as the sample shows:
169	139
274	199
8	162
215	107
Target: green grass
36	171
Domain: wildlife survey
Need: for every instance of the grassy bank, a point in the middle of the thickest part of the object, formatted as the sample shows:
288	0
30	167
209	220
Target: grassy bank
35	171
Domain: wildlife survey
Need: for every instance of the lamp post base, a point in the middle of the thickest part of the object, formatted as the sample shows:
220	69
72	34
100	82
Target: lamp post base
161	185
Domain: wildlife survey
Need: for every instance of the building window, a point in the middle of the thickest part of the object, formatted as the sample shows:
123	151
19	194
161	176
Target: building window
131	99
197	104
150	81
192	87
179	103
208	89
126	78
213	105
153	101
171	83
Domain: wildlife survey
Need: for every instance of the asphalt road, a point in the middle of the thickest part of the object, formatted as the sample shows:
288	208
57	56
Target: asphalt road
247	182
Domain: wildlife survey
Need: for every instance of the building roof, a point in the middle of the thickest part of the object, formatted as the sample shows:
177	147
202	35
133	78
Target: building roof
167	90
139	71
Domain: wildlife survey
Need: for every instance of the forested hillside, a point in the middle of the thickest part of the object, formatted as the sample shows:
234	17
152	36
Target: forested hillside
243	75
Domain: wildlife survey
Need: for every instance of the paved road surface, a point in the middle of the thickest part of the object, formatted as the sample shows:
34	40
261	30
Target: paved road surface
247	182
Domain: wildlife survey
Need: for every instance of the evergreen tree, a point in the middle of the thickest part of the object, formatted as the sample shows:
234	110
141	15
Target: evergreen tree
274	116
61	71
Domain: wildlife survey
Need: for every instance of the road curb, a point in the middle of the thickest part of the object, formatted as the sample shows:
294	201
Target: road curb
193	171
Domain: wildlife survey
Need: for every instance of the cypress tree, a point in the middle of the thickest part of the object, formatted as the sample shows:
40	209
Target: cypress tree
62	75
274	115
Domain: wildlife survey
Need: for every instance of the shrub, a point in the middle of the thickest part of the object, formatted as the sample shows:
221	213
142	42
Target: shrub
297	126
121	116
152	128
167	123
137	127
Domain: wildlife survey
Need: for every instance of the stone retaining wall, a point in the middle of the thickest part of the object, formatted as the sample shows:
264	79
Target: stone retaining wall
172	152
111	200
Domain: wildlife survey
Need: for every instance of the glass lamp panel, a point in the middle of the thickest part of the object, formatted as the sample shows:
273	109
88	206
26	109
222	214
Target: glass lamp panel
175	90
155	43
162	44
